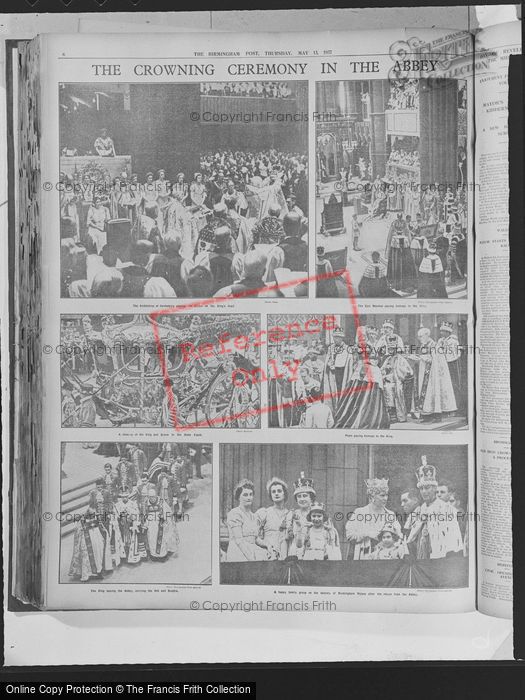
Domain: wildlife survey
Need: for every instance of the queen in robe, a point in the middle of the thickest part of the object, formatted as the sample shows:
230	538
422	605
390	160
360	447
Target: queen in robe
363	528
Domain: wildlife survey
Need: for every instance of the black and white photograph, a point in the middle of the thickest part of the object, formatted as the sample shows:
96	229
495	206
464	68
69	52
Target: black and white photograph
183	190
392	188
344	515
372	372
136	512
118	370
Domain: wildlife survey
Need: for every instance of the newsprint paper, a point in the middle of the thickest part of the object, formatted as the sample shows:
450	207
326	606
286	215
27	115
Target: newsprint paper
270	278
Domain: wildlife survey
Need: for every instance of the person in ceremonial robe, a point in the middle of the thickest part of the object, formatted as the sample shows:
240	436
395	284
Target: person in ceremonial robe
126	473
162	188
111	480
137	458
339	365
269	229
363	528
91	551
436	533
419	244
281	391
148	193
296	519
374	282
431	278
401	272
161	530
272	520
386	336
410	502
243	526
198	191
433	389
364	406
448	346
128	518
104	145
130	198
322	539
97	218
238	224
397	373
180	188
442	244
179	485
429	205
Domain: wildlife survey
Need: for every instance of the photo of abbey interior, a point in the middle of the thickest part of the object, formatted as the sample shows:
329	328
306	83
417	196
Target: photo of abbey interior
391	188
183	190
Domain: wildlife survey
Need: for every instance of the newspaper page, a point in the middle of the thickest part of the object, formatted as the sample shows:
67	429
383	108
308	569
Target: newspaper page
258	328
493	48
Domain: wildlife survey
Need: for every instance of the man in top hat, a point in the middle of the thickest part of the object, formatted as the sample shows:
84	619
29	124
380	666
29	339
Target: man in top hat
431	277
436	533
338	368
448	345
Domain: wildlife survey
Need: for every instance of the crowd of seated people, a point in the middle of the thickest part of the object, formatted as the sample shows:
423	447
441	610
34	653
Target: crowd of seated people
236	223
405	95
403	157
248	89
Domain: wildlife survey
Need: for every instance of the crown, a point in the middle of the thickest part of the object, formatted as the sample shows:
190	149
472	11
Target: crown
446	326
376	484
276	480
389	527
303	484
318	506
426	474
338	331
389	323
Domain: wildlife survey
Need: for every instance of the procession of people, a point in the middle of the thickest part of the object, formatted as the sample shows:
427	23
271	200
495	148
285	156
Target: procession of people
136	509
379	381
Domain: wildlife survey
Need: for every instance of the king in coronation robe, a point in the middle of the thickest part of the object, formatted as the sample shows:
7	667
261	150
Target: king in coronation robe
435	532
161	531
